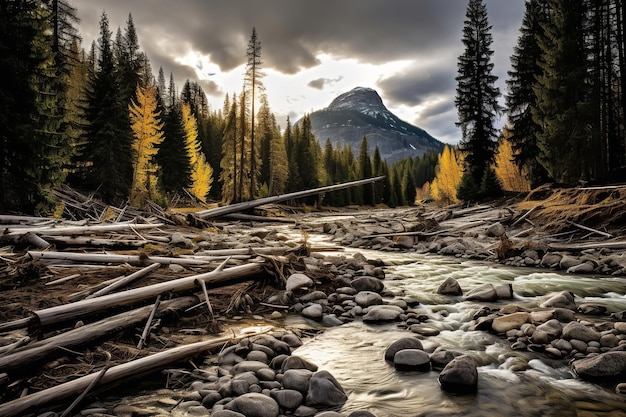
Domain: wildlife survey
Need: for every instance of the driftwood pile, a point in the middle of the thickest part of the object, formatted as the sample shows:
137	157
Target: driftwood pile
83	296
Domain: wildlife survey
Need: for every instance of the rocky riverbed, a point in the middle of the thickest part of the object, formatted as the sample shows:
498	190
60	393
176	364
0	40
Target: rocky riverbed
263	375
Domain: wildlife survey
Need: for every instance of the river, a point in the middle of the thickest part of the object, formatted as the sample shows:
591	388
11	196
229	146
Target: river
511	383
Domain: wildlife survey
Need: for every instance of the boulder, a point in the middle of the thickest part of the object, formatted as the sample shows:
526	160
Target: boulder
569	262
609	365
496	230
313	311
405	242
325	391
450	287
297	362
297	379
329	414
584	268
412	360
401	344
440	358
247	366
361	414
288	399
551	260
226	413
297	282
563	299
330	320
460	376
485	292
382	313
368	284
547	332
254	405
512	321
577	330
368	298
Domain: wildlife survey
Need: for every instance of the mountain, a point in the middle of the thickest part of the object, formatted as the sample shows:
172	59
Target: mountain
361	112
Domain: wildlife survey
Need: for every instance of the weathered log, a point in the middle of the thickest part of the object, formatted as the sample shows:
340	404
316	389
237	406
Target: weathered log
589	229
64	279
42	349
122	281
146	329
140	260
259	219
4	350
98	242
81	308
80	230
34	240
235	208
17	324
115	375
585	246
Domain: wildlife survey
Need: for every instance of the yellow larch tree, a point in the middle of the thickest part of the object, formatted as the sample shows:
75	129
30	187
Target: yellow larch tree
511	176
148	134
447	177
201	171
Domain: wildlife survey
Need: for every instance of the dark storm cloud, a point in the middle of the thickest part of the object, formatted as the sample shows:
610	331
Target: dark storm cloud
293	32
320	83
417	85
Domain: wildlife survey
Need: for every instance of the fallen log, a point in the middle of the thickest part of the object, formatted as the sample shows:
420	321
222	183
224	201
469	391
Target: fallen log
81	308
589	229
36	352
115	375
97	242
259	219
235	208
585	246
140	260
122	281
80	230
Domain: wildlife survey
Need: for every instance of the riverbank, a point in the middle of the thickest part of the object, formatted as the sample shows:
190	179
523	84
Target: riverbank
542	230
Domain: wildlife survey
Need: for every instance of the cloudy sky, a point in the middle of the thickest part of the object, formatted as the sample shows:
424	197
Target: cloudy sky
312	51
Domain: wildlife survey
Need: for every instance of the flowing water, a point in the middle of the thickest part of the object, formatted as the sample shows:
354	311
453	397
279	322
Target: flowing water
511	383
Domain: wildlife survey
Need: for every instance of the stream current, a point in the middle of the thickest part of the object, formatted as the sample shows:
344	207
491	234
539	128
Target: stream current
511	383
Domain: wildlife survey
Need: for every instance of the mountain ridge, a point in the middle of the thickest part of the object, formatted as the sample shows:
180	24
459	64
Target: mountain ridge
361	112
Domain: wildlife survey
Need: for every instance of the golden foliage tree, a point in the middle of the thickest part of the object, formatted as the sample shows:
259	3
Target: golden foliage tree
511	176
148	134
201	171
447	177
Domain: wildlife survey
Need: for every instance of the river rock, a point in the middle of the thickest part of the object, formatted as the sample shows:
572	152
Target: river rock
298	281
312	297
247	366
361	414
330	320
288	399
368	284
313	311
254	405
179	240
607	365
325	391
411	360
563	299
485	292
292	340
569	262
401	344
547	332
405	242
577	330
297	379
382	313
329	414
592	309
226	413
551	260
584	268
503	324
460	376
297	362
496	230
368	298
450	287
440	358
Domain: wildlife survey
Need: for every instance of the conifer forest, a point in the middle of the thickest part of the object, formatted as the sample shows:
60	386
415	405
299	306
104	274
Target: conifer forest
101	119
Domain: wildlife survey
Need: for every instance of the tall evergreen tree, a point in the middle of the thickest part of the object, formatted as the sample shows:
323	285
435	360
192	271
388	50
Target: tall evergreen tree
273	157
32	155
364	170
229	162
107	154
562	92
521	100
477	96
252	84
172	157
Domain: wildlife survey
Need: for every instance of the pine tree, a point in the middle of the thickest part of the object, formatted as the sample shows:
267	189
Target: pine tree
201	173
476	95
377	171
32	147
107	155
562	94
229	161
274	166
289	138
172	157
253	84
148	131
521	99
364	170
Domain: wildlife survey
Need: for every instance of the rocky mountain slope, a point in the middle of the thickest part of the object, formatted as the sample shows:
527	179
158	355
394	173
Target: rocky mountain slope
361	112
